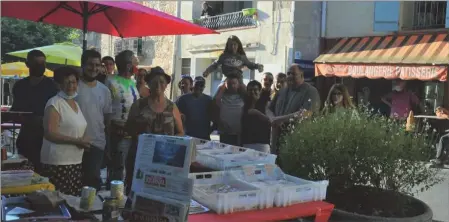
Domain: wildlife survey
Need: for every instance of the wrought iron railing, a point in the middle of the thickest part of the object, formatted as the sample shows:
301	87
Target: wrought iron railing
429	14
227	21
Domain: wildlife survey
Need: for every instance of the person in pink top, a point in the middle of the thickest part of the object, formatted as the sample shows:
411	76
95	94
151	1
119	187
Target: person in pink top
401	101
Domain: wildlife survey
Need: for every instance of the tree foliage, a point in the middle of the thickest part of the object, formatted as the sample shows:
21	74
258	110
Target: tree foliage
20	34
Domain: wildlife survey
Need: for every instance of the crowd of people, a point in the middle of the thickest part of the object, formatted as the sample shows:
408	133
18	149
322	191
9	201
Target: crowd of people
82	122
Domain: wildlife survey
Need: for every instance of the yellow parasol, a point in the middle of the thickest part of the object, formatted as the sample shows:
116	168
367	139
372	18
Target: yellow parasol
19	70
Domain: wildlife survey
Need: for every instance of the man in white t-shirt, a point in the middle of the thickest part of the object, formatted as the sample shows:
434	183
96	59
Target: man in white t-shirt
124	94
94	99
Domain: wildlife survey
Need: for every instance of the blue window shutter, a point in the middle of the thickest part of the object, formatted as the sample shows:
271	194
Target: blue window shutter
447	14
386	16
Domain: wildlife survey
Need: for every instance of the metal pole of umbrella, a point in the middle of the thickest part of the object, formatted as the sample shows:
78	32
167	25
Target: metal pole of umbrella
2	90
85	12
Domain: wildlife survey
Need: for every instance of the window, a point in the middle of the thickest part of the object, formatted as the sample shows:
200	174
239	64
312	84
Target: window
118	46
282	5
223	7
185	66
133	44
424	15
429	14
433	96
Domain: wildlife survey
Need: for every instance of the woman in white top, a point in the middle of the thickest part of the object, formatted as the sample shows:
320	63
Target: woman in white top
64	135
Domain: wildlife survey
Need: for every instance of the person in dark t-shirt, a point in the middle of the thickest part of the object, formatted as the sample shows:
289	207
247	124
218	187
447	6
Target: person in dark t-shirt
256	126
196	109
30	95
267	83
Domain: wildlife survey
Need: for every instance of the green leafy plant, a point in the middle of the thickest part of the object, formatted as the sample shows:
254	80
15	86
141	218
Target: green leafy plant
360	150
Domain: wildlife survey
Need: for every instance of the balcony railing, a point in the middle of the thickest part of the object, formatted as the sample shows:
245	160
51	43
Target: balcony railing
228	21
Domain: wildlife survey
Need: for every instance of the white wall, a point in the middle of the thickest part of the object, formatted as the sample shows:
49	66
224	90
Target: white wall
197	67
272	34
349	19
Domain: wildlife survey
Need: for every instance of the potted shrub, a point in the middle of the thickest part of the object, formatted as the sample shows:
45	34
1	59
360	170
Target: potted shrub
197	21
371	162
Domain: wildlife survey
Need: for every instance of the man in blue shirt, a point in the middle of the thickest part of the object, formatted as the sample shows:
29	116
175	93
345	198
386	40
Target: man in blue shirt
196	109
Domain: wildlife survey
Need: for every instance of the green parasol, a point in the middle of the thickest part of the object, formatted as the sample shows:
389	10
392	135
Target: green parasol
59	53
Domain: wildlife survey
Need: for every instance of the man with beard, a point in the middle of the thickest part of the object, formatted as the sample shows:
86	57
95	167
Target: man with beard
196	109
124	94
31	95
267	82
94	99
281	82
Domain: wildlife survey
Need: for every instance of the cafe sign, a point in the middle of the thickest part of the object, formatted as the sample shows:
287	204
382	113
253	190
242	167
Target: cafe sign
405	72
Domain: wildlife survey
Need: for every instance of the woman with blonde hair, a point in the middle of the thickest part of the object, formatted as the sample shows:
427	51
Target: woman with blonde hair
338	98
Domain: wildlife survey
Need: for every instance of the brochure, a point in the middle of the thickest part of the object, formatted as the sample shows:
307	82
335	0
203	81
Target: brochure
161	189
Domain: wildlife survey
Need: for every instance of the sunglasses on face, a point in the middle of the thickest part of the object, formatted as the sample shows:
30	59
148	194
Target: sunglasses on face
337	93
253	90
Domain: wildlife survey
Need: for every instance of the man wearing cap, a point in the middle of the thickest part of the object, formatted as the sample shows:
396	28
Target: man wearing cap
196	108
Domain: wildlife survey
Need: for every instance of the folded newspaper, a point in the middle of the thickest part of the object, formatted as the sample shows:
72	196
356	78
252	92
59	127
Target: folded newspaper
162	198
177	188
169	209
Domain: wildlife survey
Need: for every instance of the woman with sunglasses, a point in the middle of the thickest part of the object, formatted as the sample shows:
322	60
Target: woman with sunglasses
338	98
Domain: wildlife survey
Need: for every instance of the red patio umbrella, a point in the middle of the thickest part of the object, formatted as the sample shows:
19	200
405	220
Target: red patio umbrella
123	19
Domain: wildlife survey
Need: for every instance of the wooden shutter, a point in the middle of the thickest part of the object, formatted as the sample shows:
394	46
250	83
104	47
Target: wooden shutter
386	16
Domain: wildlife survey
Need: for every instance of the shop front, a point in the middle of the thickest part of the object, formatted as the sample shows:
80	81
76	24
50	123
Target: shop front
370	64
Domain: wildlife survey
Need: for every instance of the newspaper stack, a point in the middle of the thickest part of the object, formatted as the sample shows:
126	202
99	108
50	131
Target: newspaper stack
161	189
